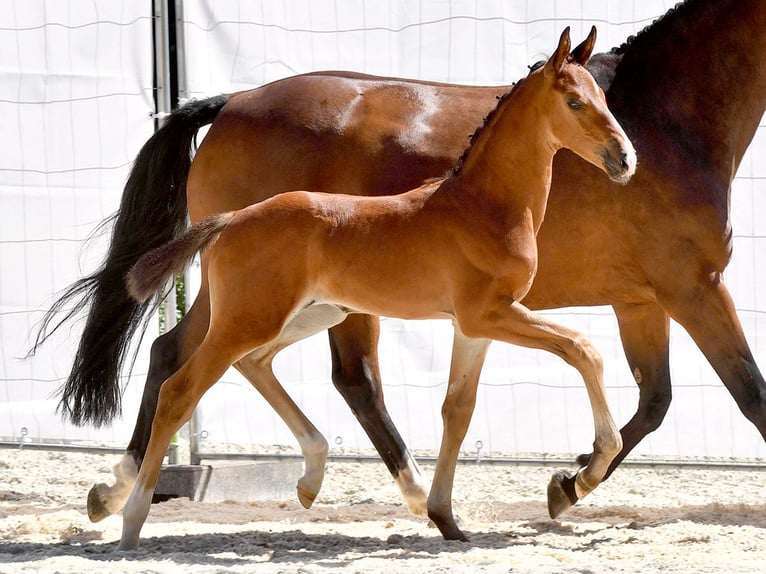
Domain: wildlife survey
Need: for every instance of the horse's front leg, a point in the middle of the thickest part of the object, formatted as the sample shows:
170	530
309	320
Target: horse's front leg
356	375
645	331
513	323
467	360
705	309
168	353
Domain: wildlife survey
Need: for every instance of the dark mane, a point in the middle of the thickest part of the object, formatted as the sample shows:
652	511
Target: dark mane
488	118
658	26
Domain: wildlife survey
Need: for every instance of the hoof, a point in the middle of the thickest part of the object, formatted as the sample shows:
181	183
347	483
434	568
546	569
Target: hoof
127	546
452	532
97	506
561	493
449	528
305	496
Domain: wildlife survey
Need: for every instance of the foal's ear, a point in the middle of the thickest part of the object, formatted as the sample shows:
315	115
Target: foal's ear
581	54
556	62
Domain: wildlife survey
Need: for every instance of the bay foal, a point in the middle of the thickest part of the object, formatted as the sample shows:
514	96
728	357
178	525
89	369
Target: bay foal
463	247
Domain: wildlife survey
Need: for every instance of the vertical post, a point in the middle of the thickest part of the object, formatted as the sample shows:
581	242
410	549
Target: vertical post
164	84
162	64
163	106
171	89
182	94
195	430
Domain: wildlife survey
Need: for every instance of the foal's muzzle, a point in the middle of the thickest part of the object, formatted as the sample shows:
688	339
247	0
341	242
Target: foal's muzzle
619	161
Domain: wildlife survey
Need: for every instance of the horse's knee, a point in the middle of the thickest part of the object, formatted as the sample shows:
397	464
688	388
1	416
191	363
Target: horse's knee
586	353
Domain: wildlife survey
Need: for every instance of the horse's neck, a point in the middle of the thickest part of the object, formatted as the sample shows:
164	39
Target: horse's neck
508	167
699	77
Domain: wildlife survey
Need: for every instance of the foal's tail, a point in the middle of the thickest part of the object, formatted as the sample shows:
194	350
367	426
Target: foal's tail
152	271
152	212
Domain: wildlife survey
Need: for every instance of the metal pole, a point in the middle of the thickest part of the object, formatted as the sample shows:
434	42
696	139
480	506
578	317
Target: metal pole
180	53
164	105
161	62
195	431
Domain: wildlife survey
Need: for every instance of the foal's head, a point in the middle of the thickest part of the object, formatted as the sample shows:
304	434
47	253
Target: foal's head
578	117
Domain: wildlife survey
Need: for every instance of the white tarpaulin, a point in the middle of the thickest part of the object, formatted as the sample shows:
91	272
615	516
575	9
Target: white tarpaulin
75	102
76	88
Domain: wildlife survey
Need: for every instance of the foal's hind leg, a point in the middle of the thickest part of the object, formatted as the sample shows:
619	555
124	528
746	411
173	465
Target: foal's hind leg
356	376
178	397
467	360
644	330
168	353
257	369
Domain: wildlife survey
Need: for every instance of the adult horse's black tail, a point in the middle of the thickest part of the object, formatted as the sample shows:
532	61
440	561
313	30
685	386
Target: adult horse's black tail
152	212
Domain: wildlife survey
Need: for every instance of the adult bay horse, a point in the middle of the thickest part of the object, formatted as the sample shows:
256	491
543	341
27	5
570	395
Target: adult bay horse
658	257
463	247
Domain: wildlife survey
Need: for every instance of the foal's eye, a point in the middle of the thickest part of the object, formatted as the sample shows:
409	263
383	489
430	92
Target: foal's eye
575	104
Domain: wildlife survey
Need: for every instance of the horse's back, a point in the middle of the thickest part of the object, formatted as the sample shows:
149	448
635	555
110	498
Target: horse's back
333	132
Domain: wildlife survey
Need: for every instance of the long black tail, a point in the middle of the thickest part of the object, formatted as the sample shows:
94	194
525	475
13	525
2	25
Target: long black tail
152	212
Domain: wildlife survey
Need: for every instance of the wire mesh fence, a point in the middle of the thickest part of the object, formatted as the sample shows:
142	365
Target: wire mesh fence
78	102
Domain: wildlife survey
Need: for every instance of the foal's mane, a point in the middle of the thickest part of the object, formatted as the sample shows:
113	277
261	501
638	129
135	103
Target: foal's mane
658	28
488	118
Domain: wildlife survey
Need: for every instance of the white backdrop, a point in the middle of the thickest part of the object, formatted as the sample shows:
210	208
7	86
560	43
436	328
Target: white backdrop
528	401
75	99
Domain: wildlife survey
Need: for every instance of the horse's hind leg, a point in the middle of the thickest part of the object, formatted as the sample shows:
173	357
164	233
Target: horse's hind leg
356	376
644	330
257	369
168	353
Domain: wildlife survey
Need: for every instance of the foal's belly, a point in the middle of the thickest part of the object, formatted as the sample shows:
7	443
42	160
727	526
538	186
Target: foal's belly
311	320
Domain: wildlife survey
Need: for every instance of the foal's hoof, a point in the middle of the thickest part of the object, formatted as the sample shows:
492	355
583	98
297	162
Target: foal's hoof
561	493
305	496
97	503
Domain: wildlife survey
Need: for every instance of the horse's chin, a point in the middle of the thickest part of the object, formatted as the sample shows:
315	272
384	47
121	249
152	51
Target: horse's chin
621	178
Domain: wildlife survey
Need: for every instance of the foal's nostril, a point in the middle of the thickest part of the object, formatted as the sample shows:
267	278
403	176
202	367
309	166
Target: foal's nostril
624	161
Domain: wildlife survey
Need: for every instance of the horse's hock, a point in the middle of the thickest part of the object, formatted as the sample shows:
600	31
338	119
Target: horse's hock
229	480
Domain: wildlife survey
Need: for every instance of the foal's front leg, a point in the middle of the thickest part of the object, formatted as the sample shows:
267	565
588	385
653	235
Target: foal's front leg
514	323
645	332
178	397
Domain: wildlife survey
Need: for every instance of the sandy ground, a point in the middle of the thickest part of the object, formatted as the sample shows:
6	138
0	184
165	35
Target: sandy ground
641	520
